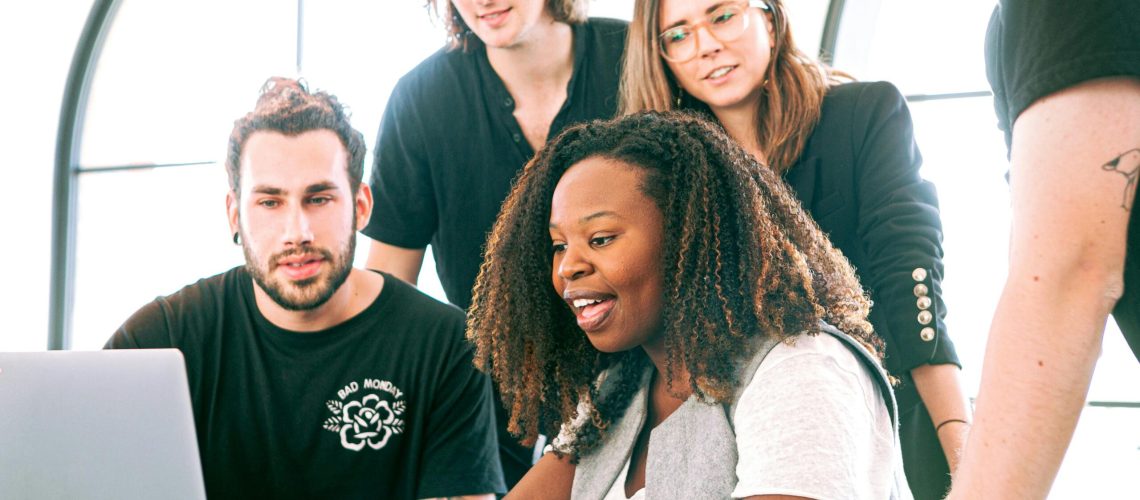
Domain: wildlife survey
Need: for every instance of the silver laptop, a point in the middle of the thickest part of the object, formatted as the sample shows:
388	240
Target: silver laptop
105	424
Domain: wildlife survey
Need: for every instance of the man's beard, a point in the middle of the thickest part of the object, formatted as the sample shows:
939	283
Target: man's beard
309	293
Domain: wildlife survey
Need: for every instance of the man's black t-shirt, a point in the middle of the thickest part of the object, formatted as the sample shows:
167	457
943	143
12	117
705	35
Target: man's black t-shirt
384	405
1037	47
449	147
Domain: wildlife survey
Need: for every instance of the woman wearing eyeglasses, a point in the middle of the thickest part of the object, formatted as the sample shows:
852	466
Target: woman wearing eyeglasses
848	151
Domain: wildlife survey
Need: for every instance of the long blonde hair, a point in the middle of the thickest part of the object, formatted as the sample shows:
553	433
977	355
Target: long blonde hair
793	92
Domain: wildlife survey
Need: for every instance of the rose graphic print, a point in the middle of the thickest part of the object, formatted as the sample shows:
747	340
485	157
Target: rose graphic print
370	421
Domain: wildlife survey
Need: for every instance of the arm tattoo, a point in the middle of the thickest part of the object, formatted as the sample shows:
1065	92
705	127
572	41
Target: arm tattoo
1128	165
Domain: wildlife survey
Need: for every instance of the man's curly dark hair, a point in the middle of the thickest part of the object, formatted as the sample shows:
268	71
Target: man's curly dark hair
741	260
288	107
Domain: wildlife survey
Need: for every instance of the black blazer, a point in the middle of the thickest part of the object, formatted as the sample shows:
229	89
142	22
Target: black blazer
859	179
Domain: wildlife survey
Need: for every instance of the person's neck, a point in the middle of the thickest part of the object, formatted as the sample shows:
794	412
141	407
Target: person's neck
742	122
544	60
353	297
655	349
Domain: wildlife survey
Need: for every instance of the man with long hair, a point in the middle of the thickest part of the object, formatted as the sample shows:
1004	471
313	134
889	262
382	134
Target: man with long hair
460	125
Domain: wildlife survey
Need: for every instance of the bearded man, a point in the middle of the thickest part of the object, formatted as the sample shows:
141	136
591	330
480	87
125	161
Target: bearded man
311	378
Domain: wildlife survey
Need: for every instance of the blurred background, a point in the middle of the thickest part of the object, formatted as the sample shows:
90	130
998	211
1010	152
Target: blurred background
141	167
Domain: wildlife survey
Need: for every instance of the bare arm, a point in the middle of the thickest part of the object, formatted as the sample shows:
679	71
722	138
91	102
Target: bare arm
550	478
940	387
1067	248
403	263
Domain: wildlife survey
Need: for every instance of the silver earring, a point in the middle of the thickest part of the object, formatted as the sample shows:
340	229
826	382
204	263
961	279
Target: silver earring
237	238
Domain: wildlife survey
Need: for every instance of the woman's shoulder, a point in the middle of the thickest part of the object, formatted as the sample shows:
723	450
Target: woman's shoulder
799	358
809	355
821	345
859	105
857	91
855	100
817	371
812	394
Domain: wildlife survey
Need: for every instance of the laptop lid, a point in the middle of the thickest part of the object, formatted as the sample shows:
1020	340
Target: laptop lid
103	424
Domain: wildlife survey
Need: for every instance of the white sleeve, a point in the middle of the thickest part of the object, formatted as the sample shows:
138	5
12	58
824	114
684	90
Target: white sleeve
812	423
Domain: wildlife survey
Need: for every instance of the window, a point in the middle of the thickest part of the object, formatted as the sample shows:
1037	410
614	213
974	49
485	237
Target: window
151	189
38	39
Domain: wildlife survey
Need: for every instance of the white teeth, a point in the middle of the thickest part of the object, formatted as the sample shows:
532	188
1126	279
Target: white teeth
720	72
580	303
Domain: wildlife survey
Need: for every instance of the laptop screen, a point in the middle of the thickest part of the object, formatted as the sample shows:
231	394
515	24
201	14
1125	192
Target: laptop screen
103	424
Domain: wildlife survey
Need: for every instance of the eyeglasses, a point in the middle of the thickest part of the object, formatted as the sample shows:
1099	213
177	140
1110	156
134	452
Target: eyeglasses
679	44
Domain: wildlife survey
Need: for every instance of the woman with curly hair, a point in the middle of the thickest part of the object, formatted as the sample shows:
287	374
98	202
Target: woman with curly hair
848	151
660	297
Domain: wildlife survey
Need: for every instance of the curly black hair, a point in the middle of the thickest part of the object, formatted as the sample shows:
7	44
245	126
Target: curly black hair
741	259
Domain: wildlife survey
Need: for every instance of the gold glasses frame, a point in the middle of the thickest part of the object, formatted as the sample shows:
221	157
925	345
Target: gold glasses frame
707	24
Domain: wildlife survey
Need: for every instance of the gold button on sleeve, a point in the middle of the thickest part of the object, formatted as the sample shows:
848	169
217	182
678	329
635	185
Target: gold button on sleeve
920	290
923	302
924	317
919	274
927	334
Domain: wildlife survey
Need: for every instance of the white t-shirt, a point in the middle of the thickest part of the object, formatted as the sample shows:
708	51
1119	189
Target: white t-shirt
813	423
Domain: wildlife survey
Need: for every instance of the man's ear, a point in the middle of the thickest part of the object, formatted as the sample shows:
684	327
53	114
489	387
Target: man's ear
232	212
363	206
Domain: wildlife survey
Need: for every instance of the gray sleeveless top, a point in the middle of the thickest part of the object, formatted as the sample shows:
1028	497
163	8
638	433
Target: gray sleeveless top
701	464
